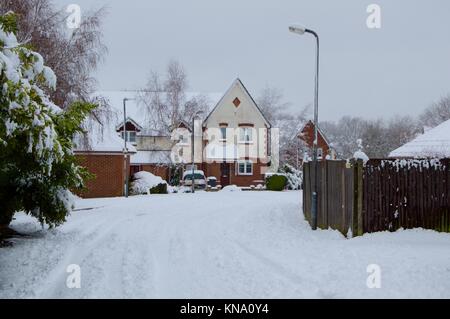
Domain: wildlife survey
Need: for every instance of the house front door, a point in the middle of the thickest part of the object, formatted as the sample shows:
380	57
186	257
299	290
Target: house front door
224	174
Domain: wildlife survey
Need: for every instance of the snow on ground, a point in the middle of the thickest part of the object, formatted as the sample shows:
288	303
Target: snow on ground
216	245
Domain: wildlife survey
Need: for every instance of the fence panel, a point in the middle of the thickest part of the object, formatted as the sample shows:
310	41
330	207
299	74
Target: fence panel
406	194
381	195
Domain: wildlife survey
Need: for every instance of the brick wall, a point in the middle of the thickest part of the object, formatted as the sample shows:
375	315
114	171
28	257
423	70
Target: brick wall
108	171
213	169
247	180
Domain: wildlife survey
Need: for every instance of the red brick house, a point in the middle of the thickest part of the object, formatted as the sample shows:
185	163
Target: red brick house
324	148
233	142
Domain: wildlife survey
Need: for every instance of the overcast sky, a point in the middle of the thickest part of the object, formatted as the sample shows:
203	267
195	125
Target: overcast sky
398	69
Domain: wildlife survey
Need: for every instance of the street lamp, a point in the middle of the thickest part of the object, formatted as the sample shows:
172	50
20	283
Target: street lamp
125	149
192	140
297	29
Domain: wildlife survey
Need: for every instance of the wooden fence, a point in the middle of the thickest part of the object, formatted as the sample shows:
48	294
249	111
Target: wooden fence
380	195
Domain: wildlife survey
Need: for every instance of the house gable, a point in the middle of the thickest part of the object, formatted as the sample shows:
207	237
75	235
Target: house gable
307	135
236	107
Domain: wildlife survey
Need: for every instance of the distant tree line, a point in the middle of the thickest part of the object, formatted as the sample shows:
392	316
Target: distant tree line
381	136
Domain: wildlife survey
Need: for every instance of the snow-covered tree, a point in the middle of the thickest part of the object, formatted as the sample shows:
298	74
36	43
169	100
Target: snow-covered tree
37	165
276	110
165	101
73	54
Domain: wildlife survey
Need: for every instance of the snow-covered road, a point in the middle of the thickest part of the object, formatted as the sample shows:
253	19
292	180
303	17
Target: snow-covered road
216	245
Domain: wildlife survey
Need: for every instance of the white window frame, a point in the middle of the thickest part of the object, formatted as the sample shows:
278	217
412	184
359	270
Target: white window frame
130	133
243	136
128	138
247	164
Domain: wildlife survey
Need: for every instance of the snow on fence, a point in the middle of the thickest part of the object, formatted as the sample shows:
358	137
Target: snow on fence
380	195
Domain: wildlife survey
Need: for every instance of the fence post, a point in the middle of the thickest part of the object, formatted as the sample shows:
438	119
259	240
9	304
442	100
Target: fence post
357	224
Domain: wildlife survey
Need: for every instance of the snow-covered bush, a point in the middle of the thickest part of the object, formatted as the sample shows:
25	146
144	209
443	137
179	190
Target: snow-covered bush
37	165
294	177
145	182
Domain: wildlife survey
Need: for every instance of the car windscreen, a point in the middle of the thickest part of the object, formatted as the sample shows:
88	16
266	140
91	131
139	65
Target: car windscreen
196	176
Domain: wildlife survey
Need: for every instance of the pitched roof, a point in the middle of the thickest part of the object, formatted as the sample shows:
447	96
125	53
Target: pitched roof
102	139
129	120
433	143
238	81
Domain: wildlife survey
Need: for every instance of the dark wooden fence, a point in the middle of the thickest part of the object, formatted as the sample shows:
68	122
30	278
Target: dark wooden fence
380	195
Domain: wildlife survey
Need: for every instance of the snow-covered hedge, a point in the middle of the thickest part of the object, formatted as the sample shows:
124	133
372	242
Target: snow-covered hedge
145	182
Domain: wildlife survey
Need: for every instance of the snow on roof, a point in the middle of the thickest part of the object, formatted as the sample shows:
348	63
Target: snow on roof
136	109
151	157
433	143
101	139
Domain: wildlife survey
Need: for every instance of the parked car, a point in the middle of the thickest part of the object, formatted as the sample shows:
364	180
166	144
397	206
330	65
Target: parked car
199	179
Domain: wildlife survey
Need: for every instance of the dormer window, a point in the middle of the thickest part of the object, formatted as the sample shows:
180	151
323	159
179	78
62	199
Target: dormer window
132	128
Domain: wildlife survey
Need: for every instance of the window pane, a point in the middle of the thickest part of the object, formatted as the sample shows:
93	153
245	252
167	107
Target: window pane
249	167
242	134
242	168
132	137
249	134
223	131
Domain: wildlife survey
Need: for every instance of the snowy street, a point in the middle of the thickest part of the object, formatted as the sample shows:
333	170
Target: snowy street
216	245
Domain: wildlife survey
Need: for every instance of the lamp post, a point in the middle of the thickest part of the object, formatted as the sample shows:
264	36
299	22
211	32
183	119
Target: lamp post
302	30
193	158
125	149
